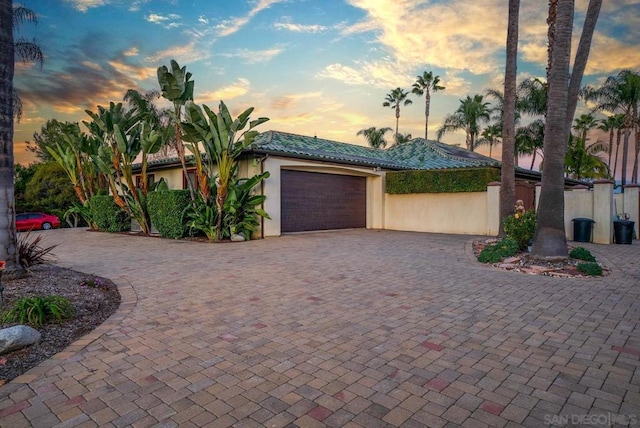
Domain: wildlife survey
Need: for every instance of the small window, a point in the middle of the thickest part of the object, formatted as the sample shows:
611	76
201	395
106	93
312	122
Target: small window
191	173
151	178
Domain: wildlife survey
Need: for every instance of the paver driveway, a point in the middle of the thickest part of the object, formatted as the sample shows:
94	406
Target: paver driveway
358	328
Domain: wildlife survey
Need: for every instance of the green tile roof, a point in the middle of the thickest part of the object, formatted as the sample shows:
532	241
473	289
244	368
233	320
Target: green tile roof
416	154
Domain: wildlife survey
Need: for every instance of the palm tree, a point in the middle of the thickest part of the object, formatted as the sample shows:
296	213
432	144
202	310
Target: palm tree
394	99
550	240
582	161
584	124
27	51
508	176
402	139
491	136
375	136
468	116
7	223
532	97
426	84
529	140
608	125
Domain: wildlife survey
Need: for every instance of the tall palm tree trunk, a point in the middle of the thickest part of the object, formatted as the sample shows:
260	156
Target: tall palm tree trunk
508	177
550	241
533	159
610	148
634	174
7	220
615	162
397	120
625	154
427	106
582	56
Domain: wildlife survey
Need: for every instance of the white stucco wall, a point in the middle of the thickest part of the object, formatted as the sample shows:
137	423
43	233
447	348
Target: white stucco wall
460	213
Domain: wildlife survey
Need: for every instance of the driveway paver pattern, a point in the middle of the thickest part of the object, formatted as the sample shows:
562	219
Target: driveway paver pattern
355	328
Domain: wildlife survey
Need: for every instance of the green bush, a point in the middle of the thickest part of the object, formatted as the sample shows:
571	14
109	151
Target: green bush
165	211
108	216
581	253
590	268
39	310
441	181
521	228
493	253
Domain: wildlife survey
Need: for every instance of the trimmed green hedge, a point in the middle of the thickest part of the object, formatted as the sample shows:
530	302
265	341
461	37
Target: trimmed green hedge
441	181
165	210
108	216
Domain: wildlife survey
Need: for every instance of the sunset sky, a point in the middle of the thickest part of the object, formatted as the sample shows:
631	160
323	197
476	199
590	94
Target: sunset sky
313	67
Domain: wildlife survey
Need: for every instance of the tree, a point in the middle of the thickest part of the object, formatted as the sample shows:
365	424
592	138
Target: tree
491	136
529	140
27	51
507	174
424	85
621	93
375	136
218	133
402	138
7	219
176	86
393	100
468	117
550	240
582	161
50	134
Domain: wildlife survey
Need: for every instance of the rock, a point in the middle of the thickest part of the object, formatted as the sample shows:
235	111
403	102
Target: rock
17	337
511	260
507	265
236	237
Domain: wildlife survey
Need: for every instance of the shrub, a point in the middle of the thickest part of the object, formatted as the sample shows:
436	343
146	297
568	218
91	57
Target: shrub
39	310
30	253
165	211
581	253
502	249
441	181
521	228
107	215
93	282
590	268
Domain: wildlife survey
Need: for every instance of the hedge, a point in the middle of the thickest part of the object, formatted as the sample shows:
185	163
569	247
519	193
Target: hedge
441	181
165	211
108	216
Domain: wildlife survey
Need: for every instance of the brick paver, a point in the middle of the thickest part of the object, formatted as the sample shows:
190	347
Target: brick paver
353	328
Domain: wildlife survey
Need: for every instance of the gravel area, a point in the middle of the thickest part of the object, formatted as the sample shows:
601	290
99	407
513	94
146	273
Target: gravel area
93	304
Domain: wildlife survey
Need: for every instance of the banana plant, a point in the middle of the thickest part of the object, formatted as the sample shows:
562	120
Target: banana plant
176	86
242	207
218	134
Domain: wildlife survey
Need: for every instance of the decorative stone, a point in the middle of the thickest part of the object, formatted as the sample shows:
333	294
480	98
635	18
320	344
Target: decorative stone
17	337
236	237
507	265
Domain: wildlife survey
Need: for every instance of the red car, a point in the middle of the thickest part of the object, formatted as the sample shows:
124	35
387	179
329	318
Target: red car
31	221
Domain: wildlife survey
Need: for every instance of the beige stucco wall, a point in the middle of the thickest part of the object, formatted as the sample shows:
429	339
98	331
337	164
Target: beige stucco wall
375	189
460	213
577	204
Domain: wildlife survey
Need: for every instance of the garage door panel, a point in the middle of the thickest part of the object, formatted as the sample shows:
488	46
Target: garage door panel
318	201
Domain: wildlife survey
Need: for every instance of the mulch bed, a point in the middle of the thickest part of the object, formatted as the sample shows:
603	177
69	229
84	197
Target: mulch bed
92	305
524	263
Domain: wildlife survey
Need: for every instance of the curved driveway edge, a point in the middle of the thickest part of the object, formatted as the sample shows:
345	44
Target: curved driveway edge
355	328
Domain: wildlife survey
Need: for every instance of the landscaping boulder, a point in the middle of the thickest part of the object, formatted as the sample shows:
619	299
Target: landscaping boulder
236	237
17	337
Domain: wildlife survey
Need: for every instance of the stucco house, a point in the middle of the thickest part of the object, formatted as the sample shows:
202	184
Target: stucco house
319	184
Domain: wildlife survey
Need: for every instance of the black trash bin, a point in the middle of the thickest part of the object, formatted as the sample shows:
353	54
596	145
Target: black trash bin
623	231
582	229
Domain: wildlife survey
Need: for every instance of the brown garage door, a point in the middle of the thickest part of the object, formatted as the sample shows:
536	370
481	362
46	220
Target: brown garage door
315	201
